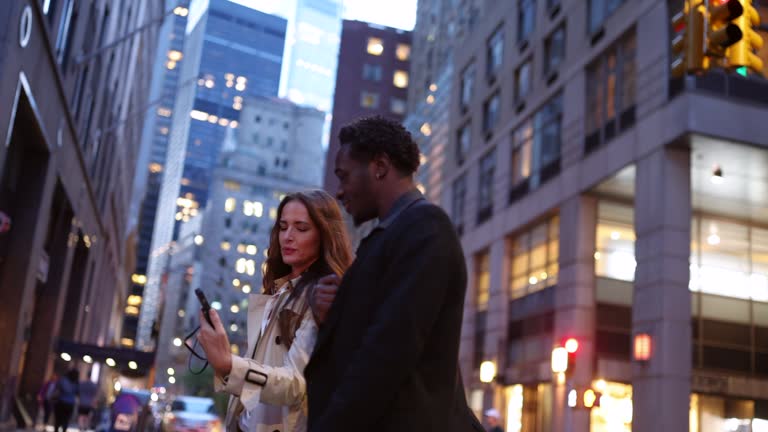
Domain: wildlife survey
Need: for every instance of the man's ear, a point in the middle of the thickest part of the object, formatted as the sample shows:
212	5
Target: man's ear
381	166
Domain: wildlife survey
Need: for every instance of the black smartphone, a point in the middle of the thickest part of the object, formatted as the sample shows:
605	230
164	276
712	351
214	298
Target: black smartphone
204	305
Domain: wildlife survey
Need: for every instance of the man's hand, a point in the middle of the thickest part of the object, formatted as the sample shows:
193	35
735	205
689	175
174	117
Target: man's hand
215	343
323	296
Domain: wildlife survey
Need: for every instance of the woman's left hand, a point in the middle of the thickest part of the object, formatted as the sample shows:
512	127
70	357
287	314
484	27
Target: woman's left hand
215	343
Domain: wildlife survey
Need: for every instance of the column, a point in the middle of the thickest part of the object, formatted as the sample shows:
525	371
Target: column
575	306
662	302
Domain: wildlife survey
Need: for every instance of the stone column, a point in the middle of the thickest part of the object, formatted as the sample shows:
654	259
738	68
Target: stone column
662	302
575	306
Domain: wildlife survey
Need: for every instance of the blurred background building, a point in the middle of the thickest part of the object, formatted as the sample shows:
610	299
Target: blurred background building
231	52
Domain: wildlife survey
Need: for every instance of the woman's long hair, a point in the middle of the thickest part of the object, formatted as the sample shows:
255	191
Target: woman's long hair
335	252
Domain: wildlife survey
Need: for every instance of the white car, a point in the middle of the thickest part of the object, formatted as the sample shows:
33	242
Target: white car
191	414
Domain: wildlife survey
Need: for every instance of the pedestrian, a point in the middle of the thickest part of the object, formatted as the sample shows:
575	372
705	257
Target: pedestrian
88	393
493	419
65	394
44	397
267	387
386	357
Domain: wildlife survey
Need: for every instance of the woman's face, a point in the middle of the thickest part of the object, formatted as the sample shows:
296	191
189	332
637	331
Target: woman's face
299	238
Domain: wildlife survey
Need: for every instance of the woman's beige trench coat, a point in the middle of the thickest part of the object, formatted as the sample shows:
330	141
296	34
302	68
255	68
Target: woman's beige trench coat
267	383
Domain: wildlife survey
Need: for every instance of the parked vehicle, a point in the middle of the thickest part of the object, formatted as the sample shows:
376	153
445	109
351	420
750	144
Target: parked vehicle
191	414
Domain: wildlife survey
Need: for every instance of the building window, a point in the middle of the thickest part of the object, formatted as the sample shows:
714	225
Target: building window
554	50
615	242
459	196
64	38
231	185
400	79
397	106
463	143
371	72
599	11
494	53
482	286
522	82
467	83
490	114
610	99
225	245
526	19
253	208
403	52
483	281
369	100
485	187
536	149
534	256
230	205
375	46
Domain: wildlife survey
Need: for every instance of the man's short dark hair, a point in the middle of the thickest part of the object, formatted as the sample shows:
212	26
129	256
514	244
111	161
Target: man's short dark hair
369	137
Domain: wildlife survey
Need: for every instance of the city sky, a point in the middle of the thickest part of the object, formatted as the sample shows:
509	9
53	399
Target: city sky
393	13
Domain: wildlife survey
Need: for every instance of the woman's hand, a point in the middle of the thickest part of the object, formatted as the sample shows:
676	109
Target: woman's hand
215	343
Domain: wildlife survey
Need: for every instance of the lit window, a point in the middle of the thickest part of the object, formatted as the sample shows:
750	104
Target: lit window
164	130
134	300
426	129
230	204
181	11
403	52
400	79
258	209
273	213
198	115
231	185
155	168
247	208
534	258
174	55
131	310
171	65
209	83
375	46
240	265
223	122
398	106
225	246
233	124
369	100
138	279
165	112
240	86
251	249
126	342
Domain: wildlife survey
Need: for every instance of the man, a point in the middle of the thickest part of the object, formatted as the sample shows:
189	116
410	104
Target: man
493	418
386	357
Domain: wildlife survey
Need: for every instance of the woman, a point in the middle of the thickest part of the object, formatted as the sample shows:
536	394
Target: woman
308	241
65	394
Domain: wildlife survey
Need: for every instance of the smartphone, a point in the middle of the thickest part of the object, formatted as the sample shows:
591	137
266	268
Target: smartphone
204	305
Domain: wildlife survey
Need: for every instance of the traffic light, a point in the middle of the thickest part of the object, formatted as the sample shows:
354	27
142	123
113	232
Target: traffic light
571	346
723	31
742	52
688	44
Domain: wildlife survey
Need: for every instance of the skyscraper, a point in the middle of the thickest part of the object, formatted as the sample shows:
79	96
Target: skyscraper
312	53
152	160
231	52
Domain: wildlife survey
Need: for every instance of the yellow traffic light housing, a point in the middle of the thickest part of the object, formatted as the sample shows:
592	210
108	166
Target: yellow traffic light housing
723	31
688	44
742	53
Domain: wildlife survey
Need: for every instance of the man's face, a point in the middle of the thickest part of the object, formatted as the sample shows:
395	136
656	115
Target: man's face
356	191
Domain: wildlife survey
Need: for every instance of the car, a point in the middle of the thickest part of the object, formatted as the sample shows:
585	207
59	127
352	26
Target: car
191	414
